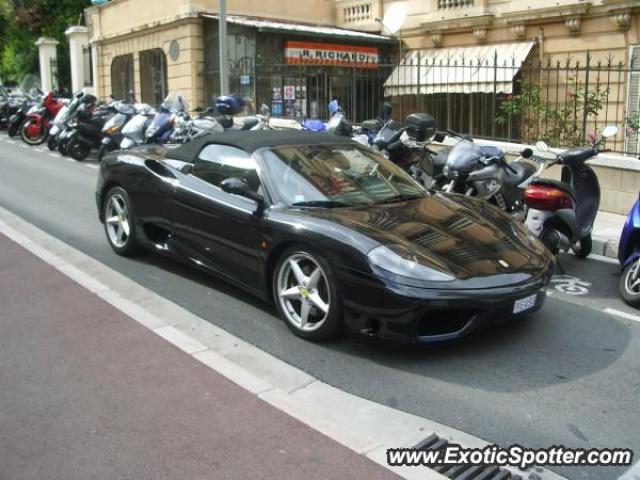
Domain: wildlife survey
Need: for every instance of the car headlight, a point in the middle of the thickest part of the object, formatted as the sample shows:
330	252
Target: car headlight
401	263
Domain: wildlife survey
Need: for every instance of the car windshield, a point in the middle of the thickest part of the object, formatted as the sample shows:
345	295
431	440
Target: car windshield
336	176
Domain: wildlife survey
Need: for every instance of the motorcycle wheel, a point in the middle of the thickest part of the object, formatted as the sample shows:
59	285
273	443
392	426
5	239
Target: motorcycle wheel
14	129
52	143
583	248
629	285
62	147
77	150
37	140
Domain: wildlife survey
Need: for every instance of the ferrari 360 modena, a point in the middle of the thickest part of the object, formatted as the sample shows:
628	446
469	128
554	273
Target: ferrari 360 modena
336	236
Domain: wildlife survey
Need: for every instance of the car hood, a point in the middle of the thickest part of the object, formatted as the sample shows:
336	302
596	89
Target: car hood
466	238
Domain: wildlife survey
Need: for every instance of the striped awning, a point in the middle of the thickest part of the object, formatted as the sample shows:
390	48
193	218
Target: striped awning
481	69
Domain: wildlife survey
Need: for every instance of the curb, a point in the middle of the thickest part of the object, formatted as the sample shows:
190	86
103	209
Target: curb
366	427
605	247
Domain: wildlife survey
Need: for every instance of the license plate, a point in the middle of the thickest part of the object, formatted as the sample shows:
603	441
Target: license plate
525	304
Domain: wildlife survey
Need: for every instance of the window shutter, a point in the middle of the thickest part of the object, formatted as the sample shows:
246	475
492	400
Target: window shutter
633	98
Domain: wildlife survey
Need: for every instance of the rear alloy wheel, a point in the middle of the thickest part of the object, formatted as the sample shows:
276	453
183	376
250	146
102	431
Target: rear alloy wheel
582	249
32	134
306	296
629	286
119	223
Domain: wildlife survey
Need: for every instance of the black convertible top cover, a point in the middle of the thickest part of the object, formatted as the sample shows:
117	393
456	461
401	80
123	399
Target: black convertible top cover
250	141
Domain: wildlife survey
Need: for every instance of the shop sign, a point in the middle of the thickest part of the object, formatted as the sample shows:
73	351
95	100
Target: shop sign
327	54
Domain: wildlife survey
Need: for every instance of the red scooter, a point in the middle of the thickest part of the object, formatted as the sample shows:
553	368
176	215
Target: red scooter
35	128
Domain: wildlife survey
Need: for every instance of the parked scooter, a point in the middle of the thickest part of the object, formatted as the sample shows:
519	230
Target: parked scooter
87	134
64	122
629	257
561	213
35	128
134	131
112	130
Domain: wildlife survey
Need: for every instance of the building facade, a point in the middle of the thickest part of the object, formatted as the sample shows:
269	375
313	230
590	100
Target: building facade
286	54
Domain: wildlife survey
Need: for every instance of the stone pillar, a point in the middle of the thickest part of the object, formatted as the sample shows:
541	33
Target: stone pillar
47	54
78	39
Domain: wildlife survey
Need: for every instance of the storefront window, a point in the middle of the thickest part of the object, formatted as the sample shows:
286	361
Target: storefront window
122	87
153	76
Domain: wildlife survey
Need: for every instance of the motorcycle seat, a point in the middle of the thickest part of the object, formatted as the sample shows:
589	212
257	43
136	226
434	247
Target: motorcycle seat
523	170
249	122
578	155
565	187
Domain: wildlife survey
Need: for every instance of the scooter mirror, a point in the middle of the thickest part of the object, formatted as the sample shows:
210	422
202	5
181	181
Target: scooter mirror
542	146
610	131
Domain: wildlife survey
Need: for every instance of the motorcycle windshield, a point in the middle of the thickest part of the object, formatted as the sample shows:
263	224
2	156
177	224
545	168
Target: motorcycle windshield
464	157
175	102
388	131
117	120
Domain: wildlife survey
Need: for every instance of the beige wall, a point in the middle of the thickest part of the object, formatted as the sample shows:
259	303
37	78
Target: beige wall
130	26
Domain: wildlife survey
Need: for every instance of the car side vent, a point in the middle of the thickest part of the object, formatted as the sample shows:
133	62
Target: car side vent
464	472
158	169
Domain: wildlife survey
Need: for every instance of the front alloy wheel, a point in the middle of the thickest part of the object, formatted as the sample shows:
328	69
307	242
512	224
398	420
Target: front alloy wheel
630	284
306	296
119	222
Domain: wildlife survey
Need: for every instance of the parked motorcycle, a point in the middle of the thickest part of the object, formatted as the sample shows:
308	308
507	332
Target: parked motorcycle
26	101
561	213
35	128
409	146
629	257
483	171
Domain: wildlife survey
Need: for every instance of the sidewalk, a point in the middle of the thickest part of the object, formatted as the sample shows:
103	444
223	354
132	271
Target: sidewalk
606	233
89	393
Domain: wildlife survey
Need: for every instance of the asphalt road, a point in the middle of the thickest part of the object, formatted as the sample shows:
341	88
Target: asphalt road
567	375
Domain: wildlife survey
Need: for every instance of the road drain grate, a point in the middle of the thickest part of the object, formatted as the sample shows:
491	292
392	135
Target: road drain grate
464	472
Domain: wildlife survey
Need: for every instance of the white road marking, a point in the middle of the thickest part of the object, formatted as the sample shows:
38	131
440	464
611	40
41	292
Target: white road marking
88	165
67	159
54	155
11	141
24	146
618	313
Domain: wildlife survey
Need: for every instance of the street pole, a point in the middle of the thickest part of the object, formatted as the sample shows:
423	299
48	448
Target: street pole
222	39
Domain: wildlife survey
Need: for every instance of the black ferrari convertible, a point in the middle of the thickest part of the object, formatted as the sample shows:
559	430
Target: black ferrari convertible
336	235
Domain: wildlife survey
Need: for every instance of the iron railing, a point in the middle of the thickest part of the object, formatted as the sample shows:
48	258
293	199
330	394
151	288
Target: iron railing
564	102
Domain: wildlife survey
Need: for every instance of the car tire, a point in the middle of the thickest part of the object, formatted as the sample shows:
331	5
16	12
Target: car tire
119	222
630	293
306	295
583	249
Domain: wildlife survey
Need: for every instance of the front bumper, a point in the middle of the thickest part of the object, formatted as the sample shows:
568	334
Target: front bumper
397	313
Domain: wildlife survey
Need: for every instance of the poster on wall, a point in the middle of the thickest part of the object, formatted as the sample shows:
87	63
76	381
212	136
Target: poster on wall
289	92
330	54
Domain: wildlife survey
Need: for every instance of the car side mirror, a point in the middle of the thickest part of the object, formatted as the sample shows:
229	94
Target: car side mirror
239	187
